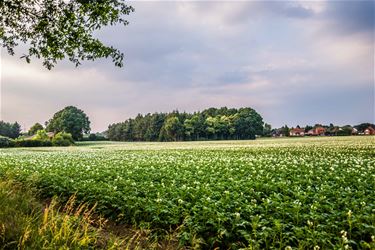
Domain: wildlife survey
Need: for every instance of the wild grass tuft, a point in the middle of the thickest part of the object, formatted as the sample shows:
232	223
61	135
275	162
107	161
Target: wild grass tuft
26	223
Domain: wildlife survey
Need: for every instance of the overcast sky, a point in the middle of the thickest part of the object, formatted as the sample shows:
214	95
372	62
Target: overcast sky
294	62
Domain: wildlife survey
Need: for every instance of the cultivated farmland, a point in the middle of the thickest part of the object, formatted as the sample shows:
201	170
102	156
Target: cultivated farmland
309	193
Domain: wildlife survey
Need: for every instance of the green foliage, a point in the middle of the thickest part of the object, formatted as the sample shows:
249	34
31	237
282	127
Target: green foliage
285	130
345	131
41	139
70	120
62	139
264	194
41	135
57	29
210	124
35	128
32	143
11	130
267	130
172	129
18	207
6	142
95	137
25	223
307	128
361	127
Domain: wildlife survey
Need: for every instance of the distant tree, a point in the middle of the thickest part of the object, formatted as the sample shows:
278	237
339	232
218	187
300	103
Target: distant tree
11	130
307	128
222	126
210	112
345	130
154	125
41	135
285	130
139	129
62	139
248	123
172	128
70	120
211	123
231	125
361	127
267	129
35	128
92	137
199	120
53	30
15	130
189	128
119	131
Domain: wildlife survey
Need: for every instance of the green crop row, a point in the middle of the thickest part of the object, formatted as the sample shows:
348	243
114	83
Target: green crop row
270	194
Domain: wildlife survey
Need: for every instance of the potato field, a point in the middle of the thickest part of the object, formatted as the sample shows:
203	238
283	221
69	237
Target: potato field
308	193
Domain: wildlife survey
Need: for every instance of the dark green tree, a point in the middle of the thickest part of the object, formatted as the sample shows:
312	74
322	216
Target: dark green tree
35	128
15	130
212	123
267	129
285	130
58	29
154	125
70	120
11	130
248	124
307	128
172	128
361	127
345	130
211	127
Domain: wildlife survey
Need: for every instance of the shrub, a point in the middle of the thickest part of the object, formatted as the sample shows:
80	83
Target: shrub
6	142
94	137
33	143
62	139
41	135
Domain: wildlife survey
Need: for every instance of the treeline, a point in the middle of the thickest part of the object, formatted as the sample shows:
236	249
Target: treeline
11	130
210	124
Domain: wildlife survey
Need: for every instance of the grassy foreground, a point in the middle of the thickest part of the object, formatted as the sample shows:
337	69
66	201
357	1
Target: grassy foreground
309	193
27	223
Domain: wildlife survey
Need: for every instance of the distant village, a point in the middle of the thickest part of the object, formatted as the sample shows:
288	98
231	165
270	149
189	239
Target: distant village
321	130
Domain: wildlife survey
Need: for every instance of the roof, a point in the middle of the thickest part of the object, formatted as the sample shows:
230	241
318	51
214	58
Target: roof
297	130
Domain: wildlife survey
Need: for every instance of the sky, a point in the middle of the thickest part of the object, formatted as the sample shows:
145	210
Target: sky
295	63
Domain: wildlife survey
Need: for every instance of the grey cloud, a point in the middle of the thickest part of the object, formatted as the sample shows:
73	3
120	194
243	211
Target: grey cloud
240	54
351	16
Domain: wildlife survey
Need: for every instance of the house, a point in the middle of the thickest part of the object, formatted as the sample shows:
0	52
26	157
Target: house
50	134
354	131
297	132
277	133
317	131
31	137
369	131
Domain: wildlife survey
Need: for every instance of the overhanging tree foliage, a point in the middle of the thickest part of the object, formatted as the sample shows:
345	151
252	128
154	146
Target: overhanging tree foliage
58	29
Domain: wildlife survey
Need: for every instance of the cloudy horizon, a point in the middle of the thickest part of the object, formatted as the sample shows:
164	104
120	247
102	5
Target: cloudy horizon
296	63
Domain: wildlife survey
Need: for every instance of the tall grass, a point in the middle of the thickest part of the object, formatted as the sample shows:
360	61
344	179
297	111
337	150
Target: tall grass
27	223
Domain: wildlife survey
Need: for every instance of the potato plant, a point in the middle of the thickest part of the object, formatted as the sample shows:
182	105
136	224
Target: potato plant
310	193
